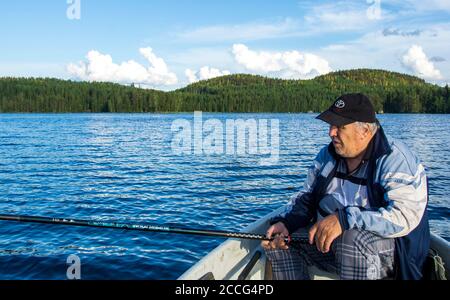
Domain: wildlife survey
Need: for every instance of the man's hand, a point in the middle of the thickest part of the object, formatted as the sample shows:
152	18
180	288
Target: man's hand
279	231
325	232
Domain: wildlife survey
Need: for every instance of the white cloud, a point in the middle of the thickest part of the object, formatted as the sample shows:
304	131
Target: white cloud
429	5
374	11
246	31
417	61
239	32
333	17
338	20
204	56
100	67
204	73
344	16
289	64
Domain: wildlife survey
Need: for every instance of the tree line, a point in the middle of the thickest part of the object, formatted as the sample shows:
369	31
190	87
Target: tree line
390	92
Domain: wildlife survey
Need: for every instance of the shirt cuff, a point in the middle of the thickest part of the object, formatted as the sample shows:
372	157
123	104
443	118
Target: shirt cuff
342	215
282	220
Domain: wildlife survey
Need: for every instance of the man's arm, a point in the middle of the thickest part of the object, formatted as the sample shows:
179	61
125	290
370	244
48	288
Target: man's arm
405	184
302	208
299	215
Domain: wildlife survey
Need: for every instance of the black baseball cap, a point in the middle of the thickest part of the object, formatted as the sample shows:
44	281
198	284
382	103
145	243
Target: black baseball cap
349	108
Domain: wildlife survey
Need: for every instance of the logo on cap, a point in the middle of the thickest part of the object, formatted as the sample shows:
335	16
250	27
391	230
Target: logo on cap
339	103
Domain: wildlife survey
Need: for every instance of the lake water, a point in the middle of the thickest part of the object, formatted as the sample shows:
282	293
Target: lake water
122	167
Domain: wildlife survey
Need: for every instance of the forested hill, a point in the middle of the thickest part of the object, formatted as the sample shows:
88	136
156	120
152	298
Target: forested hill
390	92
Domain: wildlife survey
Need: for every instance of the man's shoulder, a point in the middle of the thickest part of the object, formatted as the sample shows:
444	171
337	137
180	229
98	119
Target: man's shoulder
401	157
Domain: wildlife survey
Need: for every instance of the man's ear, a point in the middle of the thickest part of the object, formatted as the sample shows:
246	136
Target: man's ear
365	131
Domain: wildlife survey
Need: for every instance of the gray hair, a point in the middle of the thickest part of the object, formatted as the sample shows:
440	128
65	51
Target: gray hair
373	127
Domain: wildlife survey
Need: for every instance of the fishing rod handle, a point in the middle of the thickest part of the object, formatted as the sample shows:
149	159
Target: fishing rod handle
296	240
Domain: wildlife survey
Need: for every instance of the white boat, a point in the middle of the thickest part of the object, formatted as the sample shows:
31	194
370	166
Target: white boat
245	259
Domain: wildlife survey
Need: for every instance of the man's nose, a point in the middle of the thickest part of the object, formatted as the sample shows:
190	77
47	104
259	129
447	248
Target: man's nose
333	131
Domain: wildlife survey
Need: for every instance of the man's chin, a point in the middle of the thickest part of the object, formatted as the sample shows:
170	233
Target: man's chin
337	149
341	153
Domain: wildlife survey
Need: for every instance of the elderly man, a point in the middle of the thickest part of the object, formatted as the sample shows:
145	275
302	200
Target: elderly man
364	204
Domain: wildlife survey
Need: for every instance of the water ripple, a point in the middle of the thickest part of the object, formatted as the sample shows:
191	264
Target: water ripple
120	167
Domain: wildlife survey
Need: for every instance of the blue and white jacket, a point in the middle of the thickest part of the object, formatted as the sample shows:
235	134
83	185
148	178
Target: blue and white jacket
387	195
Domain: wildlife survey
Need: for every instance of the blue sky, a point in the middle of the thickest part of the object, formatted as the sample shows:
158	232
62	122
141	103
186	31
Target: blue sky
168	44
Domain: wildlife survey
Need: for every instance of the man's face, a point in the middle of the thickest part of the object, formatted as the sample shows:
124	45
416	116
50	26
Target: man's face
347	140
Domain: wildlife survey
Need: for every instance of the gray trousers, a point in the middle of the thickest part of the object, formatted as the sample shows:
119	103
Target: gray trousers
355	254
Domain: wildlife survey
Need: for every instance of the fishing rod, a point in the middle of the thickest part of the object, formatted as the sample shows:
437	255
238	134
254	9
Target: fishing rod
144	227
